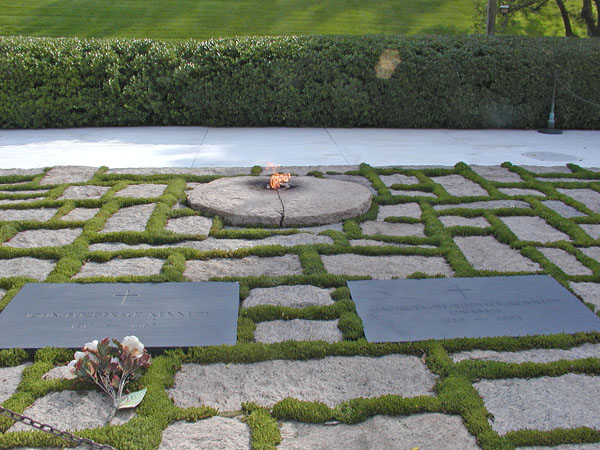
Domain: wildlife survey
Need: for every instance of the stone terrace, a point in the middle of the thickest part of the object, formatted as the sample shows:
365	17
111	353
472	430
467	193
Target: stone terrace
298	333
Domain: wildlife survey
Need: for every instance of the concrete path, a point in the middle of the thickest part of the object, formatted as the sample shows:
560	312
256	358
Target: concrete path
245	147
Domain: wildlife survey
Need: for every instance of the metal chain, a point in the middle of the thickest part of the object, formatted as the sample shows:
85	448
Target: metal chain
578	97
54	431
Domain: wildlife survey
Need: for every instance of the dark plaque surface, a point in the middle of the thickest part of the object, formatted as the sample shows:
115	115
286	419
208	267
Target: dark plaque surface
160	314
445	308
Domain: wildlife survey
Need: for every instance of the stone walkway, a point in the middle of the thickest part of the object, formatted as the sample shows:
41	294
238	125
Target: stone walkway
88	224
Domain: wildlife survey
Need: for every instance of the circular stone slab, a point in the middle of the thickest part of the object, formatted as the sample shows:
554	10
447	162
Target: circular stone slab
308	201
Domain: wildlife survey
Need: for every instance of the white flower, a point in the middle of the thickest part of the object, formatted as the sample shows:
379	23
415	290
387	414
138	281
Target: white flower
71	366
91	346
79	355
132	345
114	360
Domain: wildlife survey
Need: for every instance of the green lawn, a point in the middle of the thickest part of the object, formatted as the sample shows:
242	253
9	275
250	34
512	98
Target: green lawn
202	19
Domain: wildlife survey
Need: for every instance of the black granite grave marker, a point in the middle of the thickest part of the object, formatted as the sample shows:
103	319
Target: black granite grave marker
445	308
162	315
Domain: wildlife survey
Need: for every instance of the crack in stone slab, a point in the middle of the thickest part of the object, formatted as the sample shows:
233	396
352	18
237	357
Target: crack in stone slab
282	209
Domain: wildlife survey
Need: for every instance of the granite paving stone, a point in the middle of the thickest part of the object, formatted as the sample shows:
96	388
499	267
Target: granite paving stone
43	238
17	171
562	180
496	173
374	243
353	179
398	178
565	261
222	171
543	403
331	380
34	214
460	221
78	410
424	431
385	267
547	169
80	214
121	267
541	355
459	186
214	433
142	190
89	191
592	252
189	225
7	201
519	191
338	226
528	228
26	192
196	270
373	227
273	331
486	253
299	296
10	377
38	269
589	292
131	218
410	193
69	174
58	373
588	197
562	208
592	229
490	204
304	170
401	210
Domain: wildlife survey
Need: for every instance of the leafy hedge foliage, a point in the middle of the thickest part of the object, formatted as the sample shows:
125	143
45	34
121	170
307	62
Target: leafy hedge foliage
440	81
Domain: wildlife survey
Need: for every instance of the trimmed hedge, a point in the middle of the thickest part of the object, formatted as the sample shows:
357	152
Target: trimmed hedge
313	81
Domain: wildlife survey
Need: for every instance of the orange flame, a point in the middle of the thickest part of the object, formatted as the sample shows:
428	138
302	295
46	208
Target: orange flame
277	179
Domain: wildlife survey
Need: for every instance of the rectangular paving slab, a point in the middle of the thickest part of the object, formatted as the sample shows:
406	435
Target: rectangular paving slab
486	253
161	314
35	214
196	270
331	380
131	218
537	355
416	310
533	229
588	197
460	186
385	267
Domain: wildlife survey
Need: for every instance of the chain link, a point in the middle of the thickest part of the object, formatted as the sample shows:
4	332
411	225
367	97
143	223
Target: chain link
54	431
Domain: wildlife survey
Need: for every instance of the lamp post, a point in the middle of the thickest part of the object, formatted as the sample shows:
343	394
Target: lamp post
491	17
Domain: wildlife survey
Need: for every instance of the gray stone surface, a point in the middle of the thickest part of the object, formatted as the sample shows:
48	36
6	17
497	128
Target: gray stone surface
10	377
78	410
121	267
565	261
588	197
562	180
309	201
562	208
80	214
353	179
43	238
214	433
592	229
7	172
189	225
592	252
374	243
25	192
196	270
35	214
223	171
589	292
543	403
142	190
7	201
496	173
410	193
547	169
331	380
59	373
486	253
301	296
131	218
533	229
38	269
541	355
303	170
519	191
297	330
84	192
398	178
211	244
339	226
68	174
373	227
401	210
491	204
459	221
425	431
459	186
385	267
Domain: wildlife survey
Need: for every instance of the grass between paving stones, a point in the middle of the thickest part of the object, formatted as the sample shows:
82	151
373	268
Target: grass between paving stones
454	389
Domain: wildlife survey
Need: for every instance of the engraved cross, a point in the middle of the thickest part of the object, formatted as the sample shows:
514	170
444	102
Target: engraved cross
125	295
458	289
